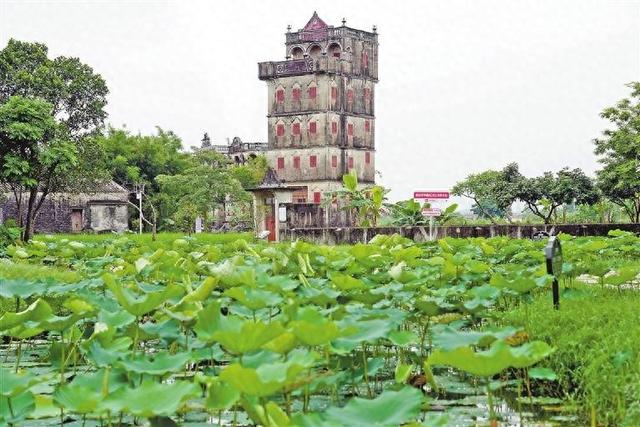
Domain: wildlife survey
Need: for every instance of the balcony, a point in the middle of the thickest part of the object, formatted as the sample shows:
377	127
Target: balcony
329	34
296	67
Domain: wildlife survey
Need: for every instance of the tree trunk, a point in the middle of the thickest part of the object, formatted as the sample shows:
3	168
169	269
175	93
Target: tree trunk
28	227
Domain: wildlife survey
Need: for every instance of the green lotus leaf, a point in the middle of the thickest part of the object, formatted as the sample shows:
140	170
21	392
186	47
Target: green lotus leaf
12	384
448	338
312	328
403	338
402	373
492	361
202	292
365	331
77	398
221	396
140	305
241	337
248	381
542	374
151	399
162	363
21	288
391	408
38	311
253	299
44	407
13	410
346	283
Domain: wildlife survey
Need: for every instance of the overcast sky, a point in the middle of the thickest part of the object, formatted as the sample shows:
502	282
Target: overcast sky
464	85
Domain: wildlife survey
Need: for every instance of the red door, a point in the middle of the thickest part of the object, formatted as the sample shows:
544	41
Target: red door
271	226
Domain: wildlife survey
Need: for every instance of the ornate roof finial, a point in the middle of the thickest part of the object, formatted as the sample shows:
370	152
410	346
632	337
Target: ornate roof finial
289	28
344	21
375	29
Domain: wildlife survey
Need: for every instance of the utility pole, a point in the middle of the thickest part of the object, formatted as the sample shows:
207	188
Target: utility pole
139	191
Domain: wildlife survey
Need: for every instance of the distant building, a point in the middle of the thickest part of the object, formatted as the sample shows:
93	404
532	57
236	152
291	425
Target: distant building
102	210
321	122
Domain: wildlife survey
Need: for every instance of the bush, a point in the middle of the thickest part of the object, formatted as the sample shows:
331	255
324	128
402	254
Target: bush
9	234
597	355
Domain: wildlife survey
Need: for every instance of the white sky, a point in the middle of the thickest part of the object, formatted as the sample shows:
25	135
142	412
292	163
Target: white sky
464	85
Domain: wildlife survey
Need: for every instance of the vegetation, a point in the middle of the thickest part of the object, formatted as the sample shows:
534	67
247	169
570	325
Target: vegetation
47	109
183	329
619	151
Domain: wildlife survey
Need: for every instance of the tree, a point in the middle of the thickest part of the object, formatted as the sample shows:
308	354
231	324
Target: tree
545	193
492	192
207	184
51	155
365	202
619	151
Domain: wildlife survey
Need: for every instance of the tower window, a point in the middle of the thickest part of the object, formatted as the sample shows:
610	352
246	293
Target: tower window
367	157
296	94
313	161
312	127
365	59
295	130
296	162
312	92
367	93
280	129
317	196
350	162
280	95
349	96
280	162
367	125
334	127
350	129
334	50
334	93
297	53
334	161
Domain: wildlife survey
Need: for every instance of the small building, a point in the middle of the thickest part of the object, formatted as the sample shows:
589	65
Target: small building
102	210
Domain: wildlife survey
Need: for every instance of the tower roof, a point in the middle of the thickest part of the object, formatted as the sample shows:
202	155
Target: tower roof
315	23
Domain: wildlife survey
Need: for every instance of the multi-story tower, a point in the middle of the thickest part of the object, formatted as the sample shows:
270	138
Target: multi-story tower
321	116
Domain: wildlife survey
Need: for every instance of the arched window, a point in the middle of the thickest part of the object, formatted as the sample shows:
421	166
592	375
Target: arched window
280	129
334	93
280	95
315	51
295	129
334	50
297	53
313	92
295	93
334	128
312	127
365	60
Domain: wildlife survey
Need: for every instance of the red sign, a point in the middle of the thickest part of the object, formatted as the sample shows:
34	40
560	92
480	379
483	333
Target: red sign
431	212
431	195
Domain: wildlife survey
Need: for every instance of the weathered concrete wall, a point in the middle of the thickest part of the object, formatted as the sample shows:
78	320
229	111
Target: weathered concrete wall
338	235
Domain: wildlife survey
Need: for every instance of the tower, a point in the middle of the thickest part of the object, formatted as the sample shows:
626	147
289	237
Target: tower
321	116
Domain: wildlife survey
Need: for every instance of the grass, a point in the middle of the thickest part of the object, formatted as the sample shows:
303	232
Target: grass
163	239
596	334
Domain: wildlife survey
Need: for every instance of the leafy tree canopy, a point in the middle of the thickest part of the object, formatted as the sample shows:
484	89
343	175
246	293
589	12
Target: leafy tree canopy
619	151
48	108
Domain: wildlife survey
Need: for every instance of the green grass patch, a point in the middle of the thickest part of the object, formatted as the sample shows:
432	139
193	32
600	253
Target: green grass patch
596	334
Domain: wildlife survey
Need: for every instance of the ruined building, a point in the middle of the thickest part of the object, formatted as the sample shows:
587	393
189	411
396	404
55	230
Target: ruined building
321	116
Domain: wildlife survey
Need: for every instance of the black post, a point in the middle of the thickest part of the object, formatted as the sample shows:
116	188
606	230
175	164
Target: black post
553	254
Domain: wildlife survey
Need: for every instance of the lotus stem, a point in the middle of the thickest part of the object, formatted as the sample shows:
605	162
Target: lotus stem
18	355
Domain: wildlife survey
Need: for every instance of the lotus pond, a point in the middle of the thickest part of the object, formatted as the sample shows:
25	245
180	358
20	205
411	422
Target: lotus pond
119	330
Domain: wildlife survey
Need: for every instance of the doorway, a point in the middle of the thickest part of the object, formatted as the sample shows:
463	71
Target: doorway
76	220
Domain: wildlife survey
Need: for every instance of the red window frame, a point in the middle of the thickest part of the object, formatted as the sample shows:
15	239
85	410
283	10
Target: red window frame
334	93
349	96
280	95
334	161
334	127
312	127
280	162
367	93
295	129
350	129
367	157
296	94
317	197
350	162
365	59
279	129
313	92
296	162
367	126
313	161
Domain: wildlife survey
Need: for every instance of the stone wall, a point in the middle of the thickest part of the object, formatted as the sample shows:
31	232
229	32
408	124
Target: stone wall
333	235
